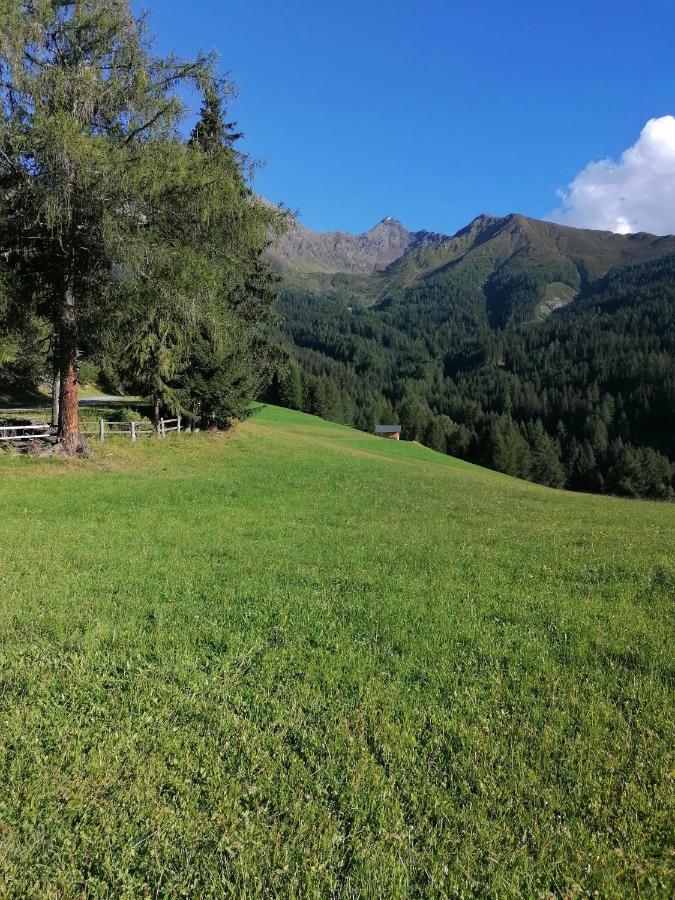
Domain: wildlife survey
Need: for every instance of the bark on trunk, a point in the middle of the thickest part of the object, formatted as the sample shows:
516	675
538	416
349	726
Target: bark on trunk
56	396
69	419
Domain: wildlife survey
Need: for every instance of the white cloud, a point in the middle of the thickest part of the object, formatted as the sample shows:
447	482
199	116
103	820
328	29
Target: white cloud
637	193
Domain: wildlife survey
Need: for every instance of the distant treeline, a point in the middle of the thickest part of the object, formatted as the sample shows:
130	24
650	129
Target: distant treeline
583	400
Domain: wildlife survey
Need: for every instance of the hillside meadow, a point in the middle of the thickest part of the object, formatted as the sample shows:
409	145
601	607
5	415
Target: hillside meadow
296	660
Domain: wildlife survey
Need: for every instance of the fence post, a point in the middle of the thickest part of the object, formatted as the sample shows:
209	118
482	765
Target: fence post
101	429
133	431
178	424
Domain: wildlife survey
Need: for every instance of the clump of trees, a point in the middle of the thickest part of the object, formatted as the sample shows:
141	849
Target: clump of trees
120	237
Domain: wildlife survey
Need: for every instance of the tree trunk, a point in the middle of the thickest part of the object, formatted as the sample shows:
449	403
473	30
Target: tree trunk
69	419
157	413
56	395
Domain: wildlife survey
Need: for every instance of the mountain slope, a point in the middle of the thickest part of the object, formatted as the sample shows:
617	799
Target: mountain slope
500	239
513	261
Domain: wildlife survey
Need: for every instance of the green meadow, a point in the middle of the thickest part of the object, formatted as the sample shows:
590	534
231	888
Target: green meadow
295	660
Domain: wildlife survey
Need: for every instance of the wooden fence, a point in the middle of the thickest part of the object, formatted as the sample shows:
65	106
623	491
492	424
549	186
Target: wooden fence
166	425
135	429
24	432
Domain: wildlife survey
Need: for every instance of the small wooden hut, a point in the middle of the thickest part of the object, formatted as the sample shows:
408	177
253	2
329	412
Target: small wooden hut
391	432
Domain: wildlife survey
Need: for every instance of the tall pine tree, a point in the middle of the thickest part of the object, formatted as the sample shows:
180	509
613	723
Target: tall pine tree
112	219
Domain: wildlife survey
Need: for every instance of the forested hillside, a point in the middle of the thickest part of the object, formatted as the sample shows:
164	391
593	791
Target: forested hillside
469	364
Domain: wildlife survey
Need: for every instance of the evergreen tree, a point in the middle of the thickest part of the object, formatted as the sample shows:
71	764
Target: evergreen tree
584	474
435	435
112	221
290	386
545	455
211	132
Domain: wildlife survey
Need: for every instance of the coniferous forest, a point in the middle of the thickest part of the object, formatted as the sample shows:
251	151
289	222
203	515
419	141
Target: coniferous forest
584	399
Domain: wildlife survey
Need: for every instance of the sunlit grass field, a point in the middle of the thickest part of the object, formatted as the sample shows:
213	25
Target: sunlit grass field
296	660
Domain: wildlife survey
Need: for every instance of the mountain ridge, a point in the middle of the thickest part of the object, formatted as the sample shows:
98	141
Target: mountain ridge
302	250
489	250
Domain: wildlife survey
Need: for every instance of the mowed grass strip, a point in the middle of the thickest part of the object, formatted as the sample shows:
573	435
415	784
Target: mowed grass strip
296	660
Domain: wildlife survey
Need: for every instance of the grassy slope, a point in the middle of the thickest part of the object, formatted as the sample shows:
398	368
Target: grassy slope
305	660
556	295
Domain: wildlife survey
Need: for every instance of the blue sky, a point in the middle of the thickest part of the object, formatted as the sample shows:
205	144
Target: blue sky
436	113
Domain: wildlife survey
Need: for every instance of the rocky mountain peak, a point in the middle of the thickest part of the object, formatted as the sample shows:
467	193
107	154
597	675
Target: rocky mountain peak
328	252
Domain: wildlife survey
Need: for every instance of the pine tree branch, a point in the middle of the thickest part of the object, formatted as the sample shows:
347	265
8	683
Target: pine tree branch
149	124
